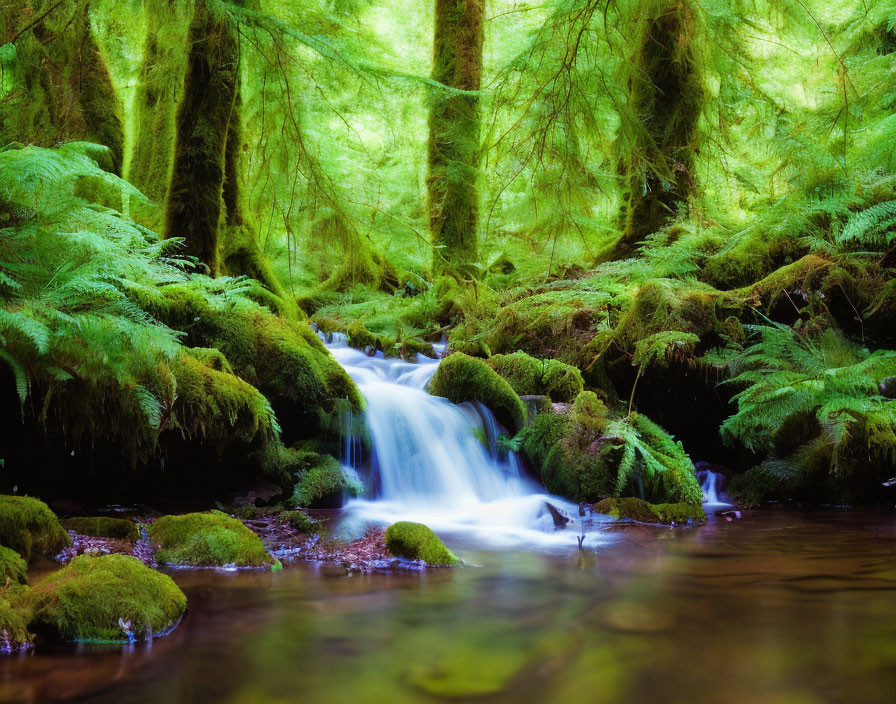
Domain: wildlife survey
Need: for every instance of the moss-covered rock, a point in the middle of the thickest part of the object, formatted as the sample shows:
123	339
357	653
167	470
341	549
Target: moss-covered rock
635	509
15	615
591	452
103	527
207	539
95	598
321	481
13	569
530	376
416	541
462	378
29	527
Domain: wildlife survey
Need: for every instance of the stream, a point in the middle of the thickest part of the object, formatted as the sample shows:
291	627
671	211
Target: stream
775	606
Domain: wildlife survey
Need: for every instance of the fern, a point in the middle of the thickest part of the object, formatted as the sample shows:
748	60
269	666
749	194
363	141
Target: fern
791	378
873	228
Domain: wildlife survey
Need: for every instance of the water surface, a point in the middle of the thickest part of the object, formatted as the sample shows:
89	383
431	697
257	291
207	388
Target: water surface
776	607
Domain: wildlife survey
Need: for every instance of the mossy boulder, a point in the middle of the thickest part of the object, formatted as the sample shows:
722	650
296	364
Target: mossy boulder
416	541
13	567
321	482
94	599
15	615
592	451
207	539
530	376
635	509
462	378
29	527
103	527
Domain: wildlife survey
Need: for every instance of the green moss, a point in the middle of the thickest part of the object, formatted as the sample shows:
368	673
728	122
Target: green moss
462	378
301	521
530	376
207	539
85	600
416	541
635	509
283	359
12	567
15	615
29	527
103	527
321	482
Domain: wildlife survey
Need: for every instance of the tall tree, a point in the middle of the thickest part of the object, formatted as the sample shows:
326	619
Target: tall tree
454	130
63	90
193	207
667	95
158	93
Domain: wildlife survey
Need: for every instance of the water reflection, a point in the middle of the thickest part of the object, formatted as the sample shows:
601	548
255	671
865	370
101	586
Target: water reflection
776	607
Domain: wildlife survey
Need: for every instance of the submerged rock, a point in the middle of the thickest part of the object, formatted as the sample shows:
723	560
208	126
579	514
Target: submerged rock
29	527
107	598
637	510
211	539
416	541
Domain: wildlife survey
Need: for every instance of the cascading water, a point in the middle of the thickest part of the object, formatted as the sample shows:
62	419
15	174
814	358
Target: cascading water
712	484
427	464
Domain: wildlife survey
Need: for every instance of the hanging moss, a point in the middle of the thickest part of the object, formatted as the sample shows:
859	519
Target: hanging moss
158	93
321	482
453	197
416	541
15	615
667	93
29	527
193	207
207	539
462	378
95	598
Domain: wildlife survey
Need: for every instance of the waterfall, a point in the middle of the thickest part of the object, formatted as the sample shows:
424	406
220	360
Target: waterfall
435	462
712	484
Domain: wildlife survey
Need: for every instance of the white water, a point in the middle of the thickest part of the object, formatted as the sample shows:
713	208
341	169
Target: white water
714	497
427	464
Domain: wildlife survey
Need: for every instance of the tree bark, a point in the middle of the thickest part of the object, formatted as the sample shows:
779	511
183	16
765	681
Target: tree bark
454	127
667	92
193	207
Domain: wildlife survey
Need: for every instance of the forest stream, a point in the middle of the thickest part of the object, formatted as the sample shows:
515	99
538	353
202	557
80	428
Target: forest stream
774	607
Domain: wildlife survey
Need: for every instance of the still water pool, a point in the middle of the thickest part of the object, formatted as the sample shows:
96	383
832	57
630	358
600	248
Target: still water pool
775	607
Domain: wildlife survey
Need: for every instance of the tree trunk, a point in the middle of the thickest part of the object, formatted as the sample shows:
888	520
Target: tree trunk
158	92
193	207
667	92
453	197
64	88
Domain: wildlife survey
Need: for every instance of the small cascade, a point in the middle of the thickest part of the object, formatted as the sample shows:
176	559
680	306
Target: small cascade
712	484
438	463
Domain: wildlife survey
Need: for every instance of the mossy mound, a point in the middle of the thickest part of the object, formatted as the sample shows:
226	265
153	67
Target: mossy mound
635	509
416	541
207	539
29	527
103	527
15	615
462	378
91	598
320	481
283	359
12	567
591	452
532	377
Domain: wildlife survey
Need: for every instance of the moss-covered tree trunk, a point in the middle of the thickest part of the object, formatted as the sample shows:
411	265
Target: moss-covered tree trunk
158	92
193	206
62	88
454	127
666	93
